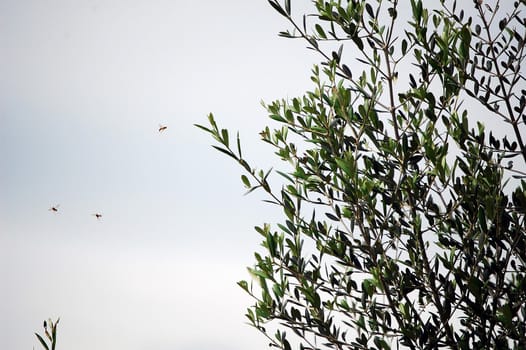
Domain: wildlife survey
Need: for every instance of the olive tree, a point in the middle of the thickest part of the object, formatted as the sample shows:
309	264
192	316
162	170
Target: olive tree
401	182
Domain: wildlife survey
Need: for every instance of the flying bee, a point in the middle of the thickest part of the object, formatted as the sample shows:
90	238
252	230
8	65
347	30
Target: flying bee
54	208
162	127
97	215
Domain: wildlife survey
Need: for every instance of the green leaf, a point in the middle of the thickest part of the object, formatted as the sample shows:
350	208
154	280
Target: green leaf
212	121
361	322
258	273
482	219
286	344
42	341
225	151
296	104
245	181
358	41
320	31
287	7
239	146
464	48
404	47
203	128
369	10
332	217
346	167
243	284
286	176
224	135
380	343
475	287
278	292
368	286
278	8
278	118
417	10
54	332
505	316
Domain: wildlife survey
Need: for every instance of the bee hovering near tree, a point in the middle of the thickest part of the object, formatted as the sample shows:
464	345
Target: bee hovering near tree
54	208
162	127
97	215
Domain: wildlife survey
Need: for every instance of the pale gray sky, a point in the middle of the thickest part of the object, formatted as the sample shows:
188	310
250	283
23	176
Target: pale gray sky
84	85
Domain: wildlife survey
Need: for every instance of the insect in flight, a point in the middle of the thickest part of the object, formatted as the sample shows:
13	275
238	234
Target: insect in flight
54	208
97	215
162	127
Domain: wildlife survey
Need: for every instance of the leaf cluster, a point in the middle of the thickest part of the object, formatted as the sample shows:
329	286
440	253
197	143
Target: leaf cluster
404	220
50	333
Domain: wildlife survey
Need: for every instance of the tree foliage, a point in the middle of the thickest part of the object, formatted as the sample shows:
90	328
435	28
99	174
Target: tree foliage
403	214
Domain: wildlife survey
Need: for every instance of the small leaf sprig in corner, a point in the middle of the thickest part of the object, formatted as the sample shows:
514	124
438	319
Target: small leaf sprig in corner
50	331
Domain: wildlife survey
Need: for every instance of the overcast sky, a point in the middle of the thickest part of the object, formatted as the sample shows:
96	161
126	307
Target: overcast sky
84	86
